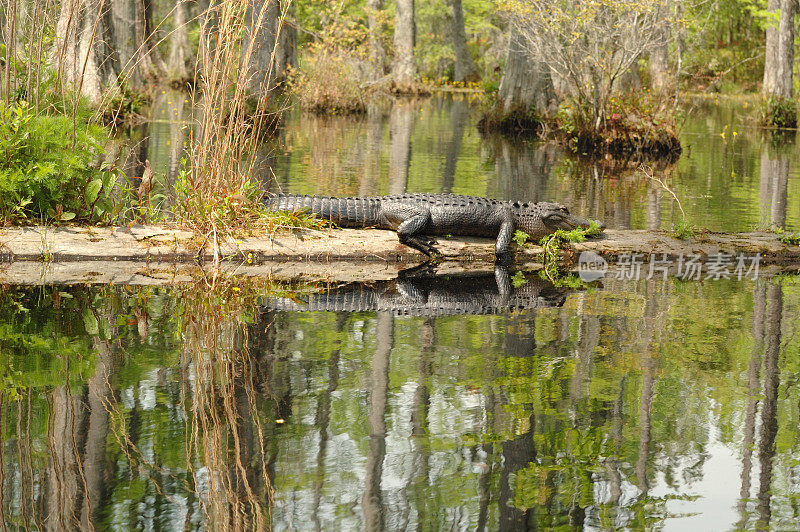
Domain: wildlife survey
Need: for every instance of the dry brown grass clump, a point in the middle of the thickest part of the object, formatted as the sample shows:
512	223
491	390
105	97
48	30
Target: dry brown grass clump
336	76
217	194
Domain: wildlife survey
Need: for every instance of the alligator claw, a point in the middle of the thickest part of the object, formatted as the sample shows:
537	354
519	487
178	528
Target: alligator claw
424	246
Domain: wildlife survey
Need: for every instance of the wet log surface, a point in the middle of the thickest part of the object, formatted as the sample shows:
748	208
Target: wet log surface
158	255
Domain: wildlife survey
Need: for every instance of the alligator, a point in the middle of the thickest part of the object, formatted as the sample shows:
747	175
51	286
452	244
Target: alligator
429	295
414	216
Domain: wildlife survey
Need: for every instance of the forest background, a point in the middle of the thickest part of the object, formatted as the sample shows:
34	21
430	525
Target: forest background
605	76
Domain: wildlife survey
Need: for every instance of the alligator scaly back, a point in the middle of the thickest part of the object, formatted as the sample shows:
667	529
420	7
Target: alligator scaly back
344	212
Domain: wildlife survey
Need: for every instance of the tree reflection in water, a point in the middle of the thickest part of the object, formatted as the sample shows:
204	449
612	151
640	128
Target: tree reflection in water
204	408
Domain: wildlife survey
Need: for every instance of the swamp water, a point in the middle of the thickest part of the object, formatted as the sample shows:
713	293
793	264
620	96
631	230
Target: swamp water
659	403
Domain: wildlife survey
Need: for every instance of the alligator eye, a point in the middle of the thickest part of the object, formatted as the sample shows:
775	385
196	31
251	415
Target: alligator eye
516	204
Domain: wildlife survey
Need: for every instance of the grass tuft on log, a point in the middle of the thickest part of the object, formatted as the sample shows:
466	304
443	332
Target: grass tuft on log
217	194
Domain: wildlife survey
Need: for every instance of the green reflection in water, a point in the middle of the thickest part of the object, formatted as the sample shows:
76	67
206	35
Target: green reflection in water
636	405
731	176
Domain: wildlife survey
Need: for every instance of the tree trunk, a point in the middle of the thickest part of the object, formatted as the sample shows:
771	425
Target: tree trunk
781	108
99	394
368	186
769	421
771	54
377	54
404	69
659	66
181	57
526	87
83	51
459	116
262	29
753	392
785	53
149	64
124	17
8	30
465	69
286	53
629	81
371	501
773	188
659	58
523	171
63	480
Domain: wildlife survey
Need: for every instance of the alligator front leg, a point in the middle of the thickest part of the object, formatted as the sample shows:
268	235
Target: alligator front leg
409	233
504	236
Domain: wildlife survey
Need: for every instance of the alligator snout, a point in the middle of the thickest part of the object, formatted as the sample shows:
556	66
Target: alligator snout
569	221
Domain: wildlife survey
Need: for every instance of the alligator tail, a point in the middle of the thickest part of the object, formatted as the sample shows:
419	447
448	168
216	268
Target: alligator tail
344	212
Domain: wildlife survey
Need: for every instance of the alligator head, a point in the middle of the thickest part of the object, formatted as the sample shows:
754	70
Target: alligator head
541	219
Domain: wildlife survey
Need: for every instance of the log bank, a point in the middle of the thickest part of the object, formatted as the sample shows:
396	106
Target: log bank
157	255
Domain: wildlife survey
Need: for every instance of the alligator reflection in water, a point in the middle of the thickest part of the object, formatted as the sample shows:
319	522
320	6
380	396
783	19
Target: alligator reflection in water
419	292
641	404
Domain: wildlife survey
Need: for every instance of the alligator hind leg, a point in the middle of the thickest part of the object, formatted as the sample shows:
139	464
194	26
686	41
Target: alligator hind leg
409	233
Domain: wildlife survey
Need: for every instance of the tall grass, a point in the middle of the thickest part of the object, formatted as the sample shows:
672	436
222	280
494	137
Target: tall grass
217	192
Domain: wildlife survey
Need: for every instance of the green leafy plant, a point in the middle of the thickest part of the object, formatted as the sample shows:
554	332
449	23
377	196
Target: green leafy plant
552	246
520	237
683	230
50	169
788	238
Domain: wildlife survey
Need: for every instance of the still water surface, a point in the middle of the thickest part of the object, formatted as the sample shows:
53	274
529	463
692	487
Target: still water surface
730	177
658	404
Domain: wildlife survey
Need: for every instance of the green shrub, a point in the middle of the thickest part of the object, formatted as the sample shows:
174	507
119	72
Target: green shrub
633	123
779	112
50	169
334	72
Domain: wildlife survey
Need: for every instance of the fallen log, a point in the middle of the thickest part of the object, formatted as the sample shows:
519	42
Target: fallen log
162	255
